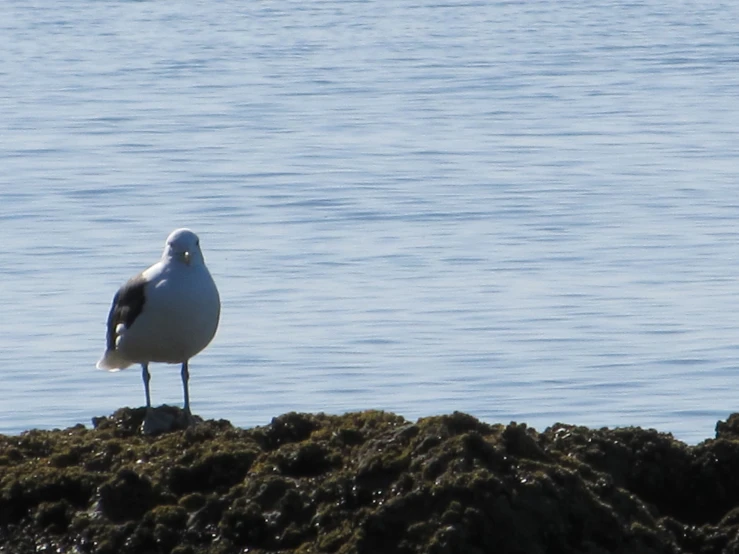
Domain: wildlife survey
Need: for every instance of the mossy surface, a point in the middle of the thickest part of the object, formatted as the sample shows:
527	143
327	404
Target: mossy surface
367	482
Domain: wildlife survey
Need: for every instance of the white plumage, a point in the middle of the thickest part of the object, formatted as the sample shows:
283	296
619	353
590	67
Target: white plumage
168	313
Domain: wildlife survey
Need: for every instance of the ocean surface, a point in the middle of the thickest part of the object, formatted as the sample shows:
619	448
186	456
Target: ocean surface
525	211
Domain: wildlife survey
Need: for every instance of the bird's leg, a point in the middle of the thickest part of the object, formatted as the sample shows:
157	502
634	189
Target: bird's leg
153	423
185	379
147	377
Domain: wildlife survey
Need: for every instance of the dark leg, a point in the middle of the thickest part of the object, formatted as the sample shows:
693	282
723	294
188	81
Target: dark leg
185	379
147	377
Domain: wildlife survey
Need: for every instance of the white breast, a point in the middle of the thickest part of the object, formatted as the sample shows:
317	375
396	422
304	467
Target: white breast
179	318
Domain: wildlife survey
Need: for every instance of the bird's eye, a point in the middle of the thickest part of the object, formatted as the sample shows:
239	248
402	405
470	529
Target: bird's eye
197	242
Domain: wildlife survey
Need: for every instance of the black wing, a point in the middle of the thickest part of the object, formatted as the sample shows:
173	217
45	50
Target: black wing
128	303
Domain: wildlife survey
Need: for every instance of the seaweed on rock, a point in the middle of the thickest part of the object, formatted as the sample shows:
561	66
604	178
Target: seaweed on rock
367	482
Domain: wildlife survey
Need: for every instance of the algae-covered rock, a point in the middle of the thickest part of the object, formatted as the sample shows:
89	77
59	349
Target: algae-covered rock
366	482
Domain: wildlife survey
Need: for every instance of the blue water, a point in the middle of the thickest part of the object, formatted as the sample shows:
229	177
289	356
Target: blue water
521	210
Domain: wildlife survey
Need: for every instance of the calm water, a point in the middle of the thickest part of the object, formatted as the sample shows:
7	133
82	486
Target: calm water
522	210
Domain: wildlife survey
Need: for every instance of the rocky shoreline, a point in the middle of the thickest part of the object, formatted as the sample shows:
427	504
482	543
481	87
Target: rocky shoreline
367	482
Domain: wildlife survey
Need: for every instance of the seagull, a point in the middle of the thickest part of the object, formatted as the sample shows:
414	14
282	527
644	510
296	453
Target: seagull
167	314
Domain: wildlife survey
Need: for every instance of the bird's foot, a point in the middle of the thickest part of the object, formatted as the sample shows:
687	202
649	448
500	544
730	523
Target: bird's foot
190	419
164	419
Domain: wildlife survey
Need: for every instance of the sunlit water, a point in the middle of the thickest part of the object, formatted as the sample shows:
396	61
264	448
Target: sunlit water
521	210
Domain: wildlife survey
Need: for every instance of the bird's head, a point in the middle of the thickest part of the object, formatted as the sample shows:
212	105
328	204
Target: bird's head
184	245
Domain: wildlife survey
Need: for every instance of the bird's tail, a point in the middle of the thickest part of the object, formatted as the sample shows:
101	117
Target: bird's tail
112	360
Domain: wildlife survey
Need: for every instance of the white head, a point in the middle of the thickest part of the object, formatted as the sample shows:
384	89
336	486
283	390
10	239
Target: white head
183	245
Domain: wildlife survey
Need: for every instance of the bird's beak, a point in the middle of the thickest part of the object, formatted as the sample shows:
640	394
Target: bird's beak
187	257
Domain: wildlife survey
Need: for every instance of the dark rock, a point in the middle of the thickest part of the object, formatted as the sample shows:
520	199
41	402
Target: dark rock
128	496
288	428
367	482
728	429
303	460
217	471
